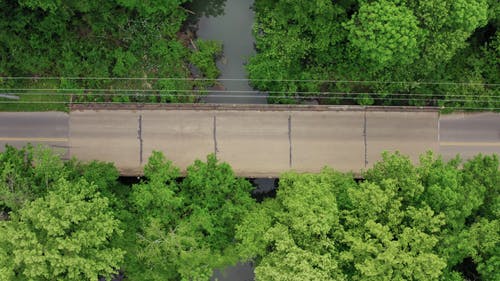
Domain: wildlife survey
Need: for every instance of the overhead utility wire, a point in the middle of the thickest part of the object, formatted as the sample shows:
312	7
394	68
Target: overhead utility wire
217	91
275	97
177	103
308	97
248	79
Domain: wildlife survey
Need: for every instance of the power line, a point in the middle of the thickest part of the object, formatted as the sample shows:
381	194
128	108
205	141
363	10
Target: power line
257	80
129	103
286	97
311	93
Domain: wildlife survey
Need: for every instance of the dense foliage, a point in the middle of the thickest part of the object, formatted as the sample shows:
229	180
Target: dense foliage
75	221
118	39
187	229
404	222
385	52
57	222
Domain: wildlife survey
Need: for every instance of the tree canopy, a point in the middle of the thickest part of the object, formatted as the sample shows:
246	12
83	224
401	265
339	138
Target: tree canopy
111	39
186	230
76	221
403	222
64	235
383	52
55	223
369	52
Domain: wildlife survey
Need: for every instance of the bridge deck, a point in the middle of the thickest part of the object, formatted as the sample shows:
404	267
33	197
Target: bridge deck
258	141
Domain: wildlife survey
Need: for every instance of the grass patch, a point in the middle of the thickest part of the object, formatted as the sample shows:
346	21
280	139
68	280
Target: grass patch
35	102
34	95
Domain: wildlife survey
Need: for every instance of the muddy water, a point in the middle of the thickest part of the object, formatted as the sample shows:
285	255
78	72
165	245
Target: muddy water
230	22
239	272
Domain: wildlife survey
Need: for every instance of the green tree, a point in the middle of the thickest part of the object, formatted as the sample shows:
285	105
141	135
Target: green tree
484	239
27	174
15	186
390	234
293	236
119	38
353	51
483	174
384	35
403	222
64	235
294	40
185	230
447	26
204	57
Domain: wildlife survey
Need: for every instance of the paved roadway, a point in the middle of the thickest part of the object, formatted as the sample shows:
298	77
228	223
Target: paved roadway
468	134
465	134
45	128
256	141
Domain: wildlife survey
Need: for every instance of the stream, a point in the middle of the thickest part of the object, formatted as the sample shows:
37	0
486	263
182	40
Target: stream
229	22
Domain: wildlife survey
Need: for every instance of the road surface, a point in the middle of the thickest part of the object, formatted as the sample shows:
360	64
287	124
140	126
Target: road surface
45	128
469	134
466	134
256	141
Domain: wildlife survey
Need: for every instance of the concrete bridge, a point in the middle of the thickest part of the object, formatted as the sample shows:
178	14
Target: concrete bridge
258	140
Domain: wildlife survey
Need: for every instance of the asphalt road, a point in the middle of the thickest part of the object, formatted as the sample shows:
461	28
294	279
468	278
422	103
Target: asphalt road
44	128
469	134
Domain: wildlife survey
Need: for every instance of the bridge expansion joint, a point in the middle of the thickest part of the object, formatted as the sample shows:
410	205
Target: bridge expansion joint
139	137
290	140
216	149
364	140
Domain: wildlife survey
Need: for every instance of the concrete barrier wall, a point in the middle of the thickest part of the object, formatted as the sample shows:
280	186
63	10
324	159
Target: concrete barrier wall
257	142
